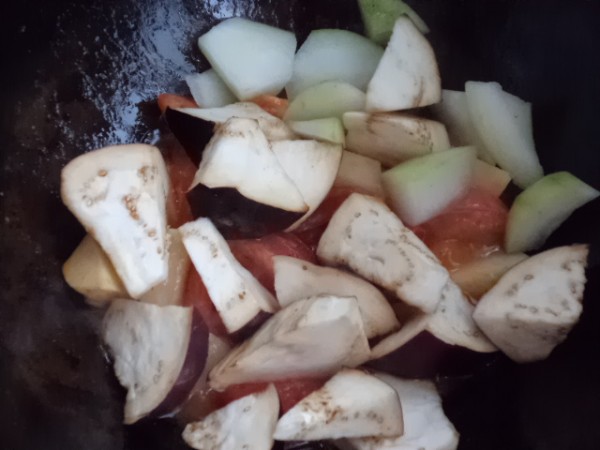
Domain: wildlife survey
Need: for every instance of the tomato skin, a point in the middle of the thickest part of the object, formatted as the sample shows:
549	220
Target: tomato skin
256	255
470	228
272	104
181	172
310	231
196	295
290	391
174	101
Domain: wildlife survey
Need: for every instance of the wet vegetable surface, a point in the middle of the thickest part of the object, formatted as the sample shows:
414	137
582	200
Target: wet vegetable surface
80	75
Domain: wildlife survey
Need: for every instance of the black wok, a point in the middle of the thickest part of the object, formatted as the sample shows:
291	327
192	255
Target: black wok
80	74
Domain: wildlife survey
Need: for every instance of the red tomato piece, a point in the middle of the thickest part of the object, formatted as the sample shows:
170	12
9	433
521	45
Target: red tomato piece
197	296
235	392
293	390
175	101
311	230
181	172
290	391
472	227
273	105
256	255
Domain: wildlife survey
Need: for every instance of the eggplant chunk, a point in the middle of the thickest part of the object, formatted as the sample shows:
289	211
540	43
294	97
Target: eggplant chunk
296	279
239	156
246	423
241	185
119	195
426	427
237	296
351	404
366	236
535	304
291	343
150	346
443	342
407	75
194	127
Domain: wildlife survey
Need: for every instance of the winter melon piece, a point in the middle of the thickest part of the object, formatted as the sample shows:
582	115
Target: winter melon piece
252	58
541	208
334	55
379	17
422	187
328	129
328	99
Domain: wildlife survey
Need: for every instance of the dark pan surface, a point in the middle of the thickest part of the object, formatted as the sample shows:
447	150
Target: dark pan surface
77	75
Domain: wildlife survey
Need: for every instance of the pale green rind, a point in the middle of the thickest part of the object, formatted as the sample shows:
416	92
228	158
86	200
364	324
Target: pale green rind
334	55
329	99
328	129
379	17
542	208
422	187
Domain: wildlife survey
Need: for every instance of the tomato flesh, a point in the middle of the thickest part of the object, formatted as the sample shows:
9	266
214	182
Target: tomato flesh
470	228
310	231
181	172
196	295
290	391
174	101
256	255
273	105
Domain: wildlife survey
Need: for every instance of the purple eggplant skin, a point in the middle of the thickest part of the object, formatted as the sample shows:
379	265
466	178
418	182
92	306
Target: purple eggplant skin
192	133
193	366
301	445
238	217
425	356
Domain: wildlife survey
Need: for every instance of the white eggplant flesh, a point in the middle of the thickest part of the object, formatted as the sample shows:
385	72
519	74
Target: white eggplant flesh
246	423
290	344
209	90
393	138
535	304
426	427
407	75
274	128
238	297
312	166
367	237
328	99
423	187
239	156
149	345
541	208
334	55
119	195
505	127
361	173
296	279
451	324
352	403
252	58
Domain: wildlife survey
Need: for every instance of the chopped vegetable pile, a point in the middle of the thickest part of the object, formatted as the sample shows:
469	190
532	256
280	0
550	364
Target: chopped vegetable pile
302	226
